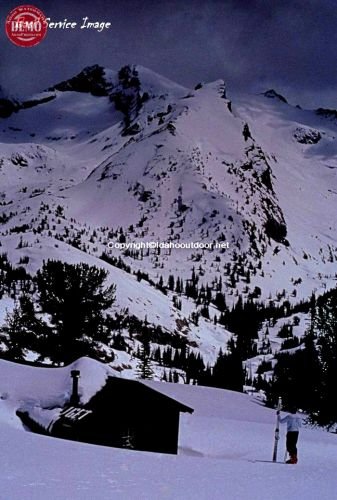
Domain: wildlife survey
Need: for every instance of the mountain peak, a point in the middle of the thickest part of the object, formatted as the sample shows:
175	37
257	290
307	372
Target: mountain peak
90	80
272	94
156	83
99	81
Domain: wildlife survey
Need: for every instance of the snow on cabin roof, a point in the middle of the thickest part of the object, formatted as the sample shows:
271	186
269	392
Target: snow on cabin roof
43	393
115	383
50	387
45	418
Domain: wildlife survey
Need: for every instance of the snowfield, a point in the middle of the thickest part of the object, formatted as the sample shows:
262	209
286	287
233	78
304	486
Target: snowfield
225	448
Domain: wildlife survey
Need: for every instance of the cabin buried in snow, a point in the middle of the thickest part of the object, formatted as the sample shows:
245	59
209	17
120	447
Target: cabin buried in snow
124	414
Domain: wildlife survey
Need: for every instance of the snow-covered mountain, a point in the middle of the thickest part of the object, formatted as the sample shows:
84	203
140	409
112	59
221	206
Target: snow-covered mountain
129	156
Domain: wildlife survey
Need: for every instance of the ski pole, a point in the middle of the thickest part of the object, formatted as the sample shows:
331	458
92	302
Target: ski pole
277	429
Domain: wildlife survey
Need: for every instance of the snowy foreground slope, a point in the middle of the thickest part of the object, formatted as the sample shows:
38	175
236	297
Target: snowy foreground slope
224	449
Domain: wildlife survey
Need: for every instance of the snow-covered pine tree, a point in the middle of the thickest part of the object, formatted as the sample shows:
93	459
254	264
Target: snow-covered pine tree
144	369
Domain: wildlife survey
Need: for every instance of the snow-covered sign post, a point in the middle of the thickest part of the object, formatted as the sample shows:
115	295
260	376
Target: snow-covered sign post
277	429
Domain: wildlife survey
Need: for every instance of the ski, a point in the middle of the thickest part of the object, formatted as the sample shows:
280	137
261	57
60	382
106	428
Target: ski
277	429
266	462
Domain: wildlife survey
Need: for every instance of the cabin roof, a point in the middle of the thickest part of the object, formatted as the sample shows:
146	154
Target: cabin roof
117	384
45	418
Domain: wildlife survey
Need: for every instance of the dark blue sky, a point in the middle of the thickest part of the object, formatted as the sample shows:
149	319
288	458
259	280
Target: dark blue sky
252	44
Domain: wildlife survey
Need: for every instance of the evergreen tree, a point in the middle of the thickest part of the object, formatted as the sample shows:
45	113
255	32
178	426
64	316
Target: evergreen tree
324	325
170	283
220	302
244	320
75	298
12	335
144	368
297	377
23	330
179	286
194	368
167	356
228	372
204	311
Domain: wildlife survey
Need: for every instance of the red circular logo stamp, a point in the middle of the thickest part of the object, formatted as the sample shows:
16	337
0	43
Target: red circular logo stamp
26	26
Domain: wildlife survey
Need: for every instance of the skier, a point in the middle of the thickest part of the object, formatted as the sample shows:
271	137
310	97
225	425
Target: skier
293	422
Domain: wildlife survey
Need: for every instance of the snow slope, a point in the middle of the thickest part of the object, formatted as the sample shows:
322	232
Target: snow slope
224	450
141	299
182	165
